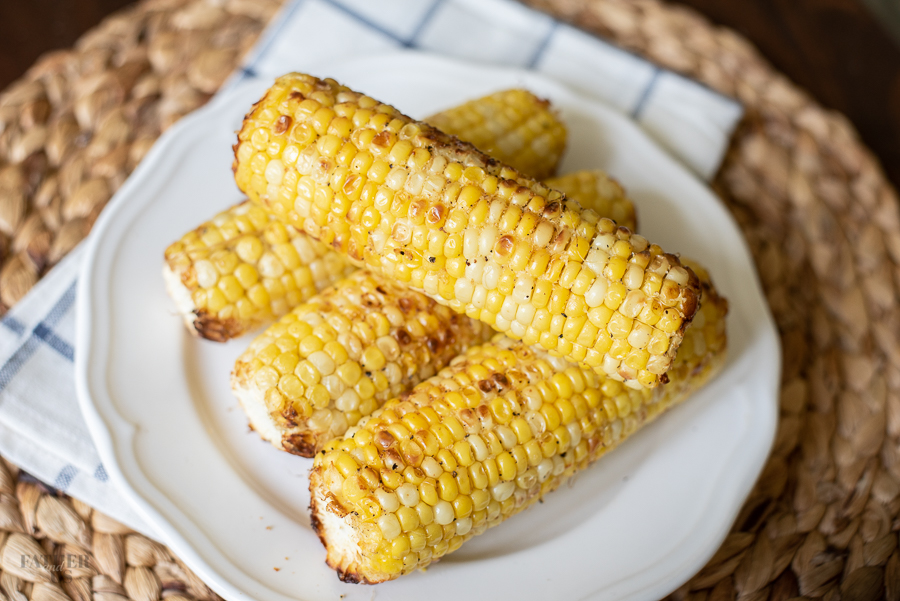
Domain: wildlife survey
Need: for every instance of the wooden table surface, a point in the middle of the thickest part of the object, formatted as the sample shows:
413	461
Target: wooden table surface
834	48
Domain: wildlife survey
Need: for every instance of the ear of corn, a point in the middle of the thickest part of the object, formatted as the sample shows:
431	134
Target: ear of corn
341	355
517	126
244	268
429	211
513	126
240	232
487	437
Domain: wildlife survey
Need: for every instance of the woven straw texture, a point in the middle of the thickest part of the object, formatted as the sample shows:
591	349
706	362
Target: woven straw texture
813	203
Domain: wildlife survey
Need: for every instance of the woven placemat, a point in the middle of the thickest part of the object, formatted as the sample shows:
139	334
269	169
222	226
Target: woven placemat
813	203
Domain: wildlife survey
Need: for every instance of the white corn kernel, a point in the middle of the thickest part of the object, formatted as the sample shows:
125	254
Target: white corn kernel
348	401
463	290
275	172
507	437
463	526
388	500
390	526
491	276
432	468
528	479
503	491
322	362
679	275
544	469
487	240
479	447
443	513
508	309
207	274
408	494
574	429
523	288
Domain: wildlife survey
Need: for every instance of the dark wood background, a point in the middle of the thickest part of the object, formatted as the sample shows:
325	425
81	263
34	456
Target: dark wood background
835	49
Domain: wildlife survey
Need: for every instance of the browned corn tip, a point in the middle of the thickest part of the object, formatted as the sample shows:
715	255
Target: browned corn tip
513	126
487	437
339	356
705	340
430	211
244	268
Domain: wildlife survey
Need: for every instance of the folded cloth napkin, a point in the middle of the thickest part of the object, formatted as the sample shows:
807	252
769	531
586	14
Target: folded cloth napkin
41	428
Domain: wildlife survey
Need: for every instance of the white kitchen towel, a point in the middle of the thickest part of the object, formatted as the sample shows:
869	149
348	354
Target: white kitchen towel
41	428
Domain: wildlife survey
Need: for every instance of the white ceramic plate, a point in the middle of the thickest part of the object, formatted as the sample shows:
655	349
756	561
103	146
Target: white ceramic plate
635	526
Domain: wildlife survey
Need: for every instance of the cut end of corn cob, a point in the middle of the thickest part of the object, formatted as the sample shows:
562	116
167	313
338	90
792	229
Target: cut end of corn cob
487	437
244	268
340	356
428	210
199	322
595	190
513	126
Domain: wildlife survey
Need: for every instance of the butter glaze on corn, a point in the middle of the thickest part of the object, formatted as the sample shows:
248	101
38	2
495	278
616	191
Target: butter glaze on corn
341	355
432	212
244	268
513	126
487	437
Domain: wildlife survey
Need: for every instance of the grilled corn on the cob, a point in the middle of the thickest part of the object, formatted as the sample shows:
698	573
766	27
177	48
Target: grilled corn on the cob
484	439
522	131
341	355
244	268
227	243
513	126
427	210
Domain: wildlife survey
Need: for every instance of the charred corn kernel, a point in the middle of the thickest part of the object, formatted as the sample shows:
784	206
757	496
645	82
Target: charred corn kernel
513	126
572	415
345	352
236	251
582	247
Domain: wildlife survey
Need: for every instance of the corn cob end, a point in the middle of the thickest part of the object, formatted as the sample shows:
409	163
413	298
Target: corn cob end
331	522
199	322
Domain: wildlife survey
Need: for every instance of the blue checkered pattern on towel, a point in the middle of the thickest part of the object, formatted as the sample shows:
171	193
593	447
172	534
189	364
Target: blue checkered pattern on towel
41	428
